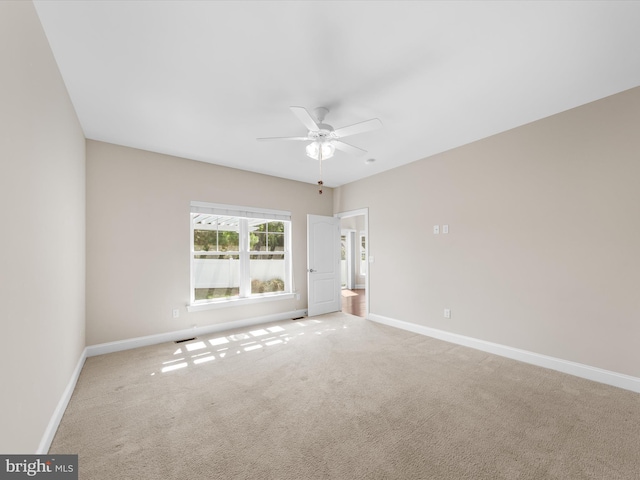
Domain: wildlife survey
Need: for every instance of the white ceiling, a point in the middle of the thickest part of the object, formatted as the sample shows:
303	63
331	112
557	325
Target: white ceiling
204	79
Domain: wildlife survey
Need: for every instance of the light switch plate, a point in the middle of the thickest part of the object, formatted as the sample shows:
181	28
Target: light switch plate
445	228
436	229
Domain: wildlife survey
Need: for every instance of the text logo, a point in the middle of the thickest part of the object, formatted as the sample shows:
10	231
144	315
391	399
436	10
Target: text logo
50	467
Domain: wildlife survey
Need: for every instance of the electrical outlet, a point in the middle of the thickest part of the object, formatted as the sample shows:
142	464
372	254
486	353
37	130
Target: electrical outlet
447	313
176	313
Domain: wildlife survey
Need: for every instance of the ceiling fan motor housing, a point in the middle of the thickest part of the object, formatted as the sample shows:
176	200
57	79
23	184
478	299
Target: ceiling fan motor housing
320	113
325	132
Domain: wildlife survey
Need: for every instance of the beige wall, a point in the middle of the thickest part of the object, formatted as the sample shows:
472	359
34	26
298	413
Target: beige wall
42	241
544	237
138	237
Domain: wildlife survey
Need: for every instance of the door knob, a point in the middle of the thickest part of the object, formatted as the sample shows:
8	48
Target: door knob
311	270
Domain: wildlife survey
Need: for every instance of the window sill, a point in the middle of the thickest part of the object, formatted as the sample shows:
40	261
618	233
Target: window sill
200	306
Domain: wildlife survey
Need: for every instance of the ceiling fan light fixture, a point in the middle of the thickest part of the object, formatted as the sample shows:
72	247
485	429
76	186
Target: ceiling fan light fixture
313	150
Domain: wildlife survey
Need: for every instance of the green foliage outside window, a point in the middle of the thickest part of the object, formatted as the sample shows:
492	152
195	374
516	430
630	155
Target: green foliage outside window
267	237
215	241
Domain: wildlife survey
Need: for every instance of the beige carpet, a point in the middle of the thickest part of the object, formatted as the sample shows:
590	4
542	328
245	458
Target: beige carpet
340	397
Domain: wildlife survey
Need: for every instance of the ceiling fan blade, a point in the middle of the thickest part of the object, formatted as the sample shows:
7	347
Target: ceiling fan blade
350	149
305	117
361	127
305	139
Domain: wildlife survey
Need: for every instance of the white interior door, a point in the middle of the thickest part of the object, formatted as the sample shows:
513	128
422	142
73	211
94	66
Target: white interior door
323	264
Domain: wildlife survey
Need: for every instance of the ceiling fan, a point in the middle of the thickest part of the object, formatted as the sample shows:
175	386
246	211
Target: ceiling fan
323	138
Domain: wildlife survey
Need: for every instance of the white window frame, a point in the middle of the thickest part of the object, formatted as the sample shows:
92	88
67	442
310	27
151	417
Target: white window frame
244	214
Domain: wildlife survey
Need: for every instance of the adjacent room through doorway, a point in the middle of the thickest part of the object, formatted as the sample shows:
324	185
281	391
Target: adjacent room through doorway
354	262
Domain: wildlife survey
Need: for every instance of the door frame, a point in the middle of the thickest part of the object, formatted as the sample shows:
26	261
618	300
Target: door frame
367	278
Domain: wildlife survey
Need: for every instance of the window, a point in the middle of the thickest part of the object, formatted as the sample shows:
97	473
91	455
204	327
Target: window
363	253
238	254
267	262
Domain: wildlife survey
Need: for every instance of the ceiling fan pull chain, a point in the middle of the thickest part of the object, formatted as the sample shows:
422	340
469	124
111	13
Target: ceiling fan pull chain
320	162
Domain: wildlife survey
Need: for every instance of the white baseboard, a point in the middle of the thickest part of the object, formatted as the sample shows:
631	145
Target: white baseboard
572	368
128	344
56	418
607	377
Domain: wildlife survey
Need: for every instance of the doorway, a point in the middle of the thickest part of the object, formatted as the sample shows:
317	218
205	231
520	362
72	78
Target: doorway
354	264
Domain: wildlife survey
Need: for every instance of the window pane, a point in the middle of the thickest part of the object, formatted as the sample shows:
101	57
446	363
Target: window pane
258	242
216	276
228	240
267	237
215	233
276	227
205	240
267	273
275	242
